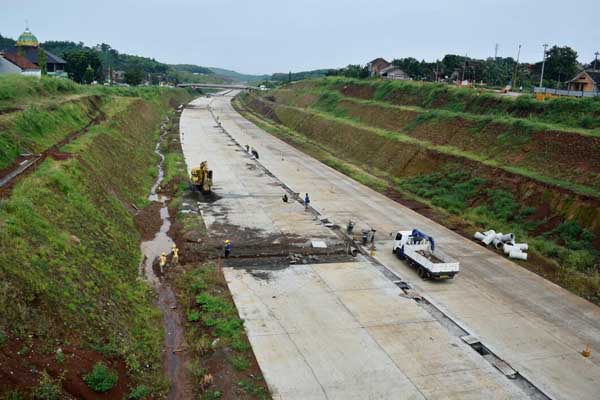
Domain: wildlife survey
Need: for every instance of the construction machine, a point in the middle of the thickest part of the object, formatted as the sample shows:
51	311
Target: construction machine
201	178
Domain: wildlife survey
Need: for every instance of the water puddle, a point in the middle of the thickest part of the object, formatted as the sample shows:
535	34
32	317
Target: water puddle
175	365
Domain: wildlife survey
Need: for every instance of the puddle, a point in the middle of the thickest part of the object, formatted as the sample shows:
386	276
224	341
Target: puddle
174	362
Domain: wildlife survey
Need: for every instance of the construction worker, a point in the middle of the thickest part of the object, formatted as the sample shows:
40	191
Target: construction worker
227	248
162	261
247	149
175	259
306	201
285	198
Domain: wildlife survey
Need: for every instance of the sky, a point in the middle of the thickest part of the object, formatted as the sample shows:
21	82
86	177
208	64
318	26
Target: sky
266	36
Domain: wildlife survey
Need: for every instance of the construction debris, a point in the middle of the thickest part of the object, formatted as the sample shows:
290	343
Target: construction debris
505	242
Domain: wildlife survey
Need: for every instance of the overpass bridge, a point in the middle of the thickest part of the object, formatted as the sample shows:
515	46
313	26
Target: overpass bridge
215	86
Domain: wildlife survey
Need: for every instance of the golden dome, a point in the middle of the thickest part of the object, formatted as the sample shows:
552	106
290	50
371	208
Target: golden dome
27	39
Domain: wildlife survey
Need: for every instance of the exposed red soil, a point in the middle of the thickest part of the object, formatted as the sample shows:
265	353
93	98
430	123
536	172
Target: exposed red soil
365	92
22	362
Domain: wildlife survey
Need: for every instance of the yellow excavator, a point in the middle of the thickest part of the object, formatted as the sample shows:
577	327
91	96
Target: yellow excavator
201	178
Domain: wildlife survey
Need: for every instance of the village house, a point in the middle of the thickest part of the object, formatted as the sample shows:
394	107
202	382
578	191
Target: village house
16	64
29	48
376	66
393	72
380	67
586	81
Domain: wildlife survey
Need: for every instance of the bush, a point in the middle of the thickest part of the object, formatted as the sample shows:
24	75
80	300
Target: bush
139	392
193	316
581	260
48	388
101	379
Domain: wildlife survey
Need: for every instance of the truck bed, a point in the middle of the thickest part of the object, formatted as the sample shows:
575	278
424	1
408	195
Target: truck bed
437	263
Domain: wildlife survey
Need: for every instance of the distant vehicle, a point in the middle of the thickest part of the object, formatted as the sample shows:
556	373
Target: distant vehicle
418	250
263	87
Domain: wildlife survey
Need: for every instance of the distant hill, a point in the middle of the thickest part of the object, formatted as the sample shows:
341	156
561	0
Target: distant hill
298	76
194	69
239	77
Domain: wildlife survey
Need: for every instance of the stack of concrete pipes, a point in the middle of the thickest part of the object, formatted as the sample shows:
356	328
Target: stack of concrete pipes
504	241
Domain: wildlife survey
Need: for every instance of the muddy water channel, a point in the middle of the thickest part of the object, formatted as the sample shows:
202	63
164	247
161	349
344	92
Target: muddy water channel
174	360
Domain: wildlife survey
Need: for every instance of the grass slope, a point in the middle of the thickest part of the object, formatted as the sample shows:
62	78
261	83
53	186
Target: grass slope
69	248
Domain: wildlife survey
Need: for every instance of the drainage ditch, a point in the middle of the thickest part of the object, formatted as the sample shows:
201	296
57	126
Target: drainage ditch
174	359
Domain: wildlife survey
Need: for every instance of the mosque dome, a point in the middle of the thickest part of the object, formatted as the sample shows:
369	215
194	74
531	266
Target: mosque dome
27	39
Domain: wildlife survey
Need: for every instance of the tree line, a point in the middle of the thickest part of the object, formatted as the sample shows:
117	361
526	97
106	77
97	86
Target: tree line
87	64
561	65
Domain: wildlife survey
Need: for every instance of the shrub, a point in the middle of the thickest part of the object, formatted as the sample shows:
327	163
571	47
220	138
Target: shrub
212	395
581	260
240	363
193	316
101	379
139	392
48	388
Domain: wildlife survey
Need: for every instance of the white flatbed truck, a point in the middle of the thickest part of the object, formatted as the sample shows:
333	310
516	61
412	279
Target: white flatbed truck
418	250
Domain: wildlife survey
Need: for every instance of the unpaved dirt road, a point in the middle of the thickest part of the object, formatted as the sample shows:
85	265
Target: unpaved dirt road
345	330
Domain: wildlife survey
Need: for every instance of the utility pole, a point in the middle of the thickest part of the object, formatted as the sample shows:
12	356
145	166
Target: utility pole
543	65
496	51
514	78
596	60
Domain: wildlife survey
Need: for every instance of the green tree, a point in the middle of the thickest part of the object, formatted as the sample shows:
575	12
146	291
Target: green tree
43	61
78	63
88	75
561	65
134	75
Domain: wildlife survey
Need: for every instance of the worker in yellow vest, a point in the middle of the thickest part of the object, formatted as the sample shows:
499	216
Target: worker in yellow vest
162	261
175	259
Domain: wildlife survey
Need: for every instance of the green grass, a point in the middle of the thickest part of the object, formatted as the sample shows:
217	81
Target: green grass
17	90
69	248
564	111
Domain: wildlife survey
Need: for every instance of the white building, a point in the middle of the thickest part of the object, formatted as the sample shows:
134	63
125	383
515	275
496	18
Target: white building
16	64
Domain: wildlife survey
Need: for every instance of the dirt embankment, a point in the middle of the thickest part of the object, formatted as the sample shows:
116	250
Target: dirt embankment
511	142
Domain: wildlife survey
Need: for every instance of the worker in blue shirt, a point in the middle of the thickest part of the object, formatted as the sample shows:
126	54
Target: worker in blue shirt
306	201
227	248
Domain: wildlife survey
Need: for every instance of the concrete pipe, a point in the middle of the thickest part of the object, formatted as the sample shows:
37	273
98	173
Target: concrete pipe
517	254
497	243
508	248
522	246
488	238
479	236
490	232
508	237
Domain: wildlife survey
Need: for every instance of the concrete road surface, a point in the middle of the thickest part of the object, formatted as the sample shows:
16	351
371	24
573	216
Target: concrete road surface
317	333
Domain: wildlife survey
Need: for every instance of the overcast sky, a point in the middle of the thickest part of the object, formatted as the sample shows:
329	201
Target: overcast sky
265	36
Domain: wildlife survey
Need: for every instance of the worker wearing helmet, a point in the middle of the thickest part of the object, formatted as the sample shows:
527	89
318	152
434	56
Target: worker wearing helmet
162	261
227	248
175	259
